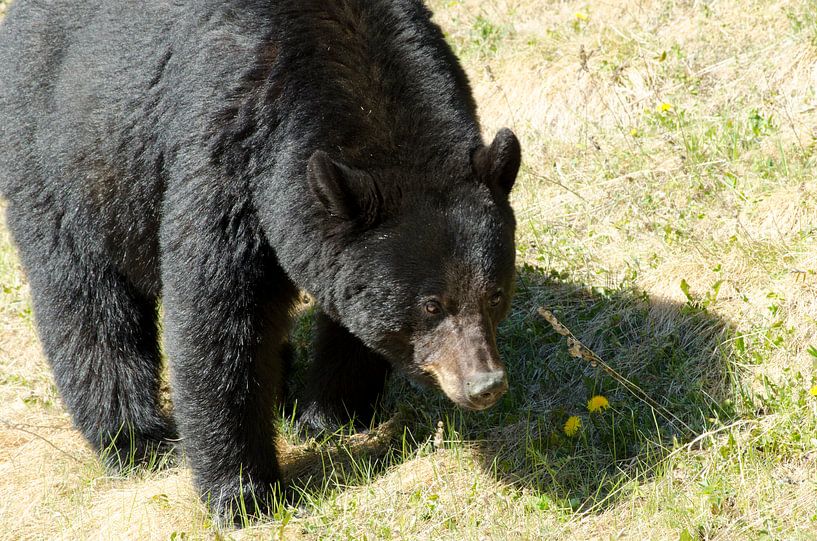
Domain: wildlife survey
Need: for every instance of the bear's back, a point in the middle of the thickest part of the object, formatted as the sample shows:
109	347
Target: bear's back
108	86
106	106
66	83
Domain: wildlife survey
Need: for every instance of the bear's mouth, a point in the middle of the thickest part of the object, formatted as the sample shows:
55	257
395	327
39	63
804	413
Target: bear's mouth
471	406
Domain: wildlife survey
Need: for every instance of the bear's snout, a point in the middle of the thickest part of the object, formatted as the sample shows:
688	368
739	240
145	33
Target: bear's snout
464	362
483	389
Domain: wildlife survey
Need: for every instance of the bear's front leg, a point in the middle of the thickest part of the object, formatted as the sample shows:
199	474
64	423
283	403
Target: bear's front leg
226	314
345	379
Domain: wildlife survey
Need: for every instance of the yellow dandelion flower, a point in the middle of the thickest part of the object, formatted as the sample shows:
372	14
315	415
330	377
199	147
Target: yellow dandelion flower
572	425
634	132
664	107
813	391
581	16
597	403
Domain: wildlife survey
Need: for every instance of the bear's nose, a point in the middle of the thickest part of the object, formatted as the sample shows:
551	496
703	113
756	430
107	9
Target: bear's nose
486	388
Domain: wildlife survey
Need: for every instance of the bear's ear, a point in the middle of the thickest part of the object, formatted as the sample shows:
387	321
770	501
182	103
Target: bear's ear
344	192
499	163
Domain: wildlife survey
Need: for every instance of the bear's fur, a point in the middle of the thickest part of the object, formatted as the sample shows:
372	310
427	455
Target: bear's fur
219	156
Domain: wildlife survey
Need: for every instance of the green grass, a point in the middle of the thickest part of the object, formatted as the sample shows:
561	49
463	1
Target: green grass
666	209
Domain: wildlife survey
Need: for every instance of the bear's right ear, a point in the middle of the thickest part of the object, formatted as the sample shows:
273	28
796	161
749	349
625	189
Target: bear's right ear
345	193
499	163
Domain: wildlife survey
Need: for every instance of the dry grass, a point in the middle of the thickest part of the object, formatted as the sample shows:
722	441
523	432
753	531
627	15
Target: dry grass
667	212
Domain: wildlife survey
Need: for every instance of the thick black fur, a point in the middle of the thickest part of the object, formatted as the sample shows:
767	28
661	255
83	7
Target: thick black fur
345	378
219	155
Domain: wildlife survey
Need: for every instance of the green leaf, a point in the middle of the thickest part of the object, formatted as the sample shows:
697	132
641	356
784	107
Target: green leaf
716	287
685	289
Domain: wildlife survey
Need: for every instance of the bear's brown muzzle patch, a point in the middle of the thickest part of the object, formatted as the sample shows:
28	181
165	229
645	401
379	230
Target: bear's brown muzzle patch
466	365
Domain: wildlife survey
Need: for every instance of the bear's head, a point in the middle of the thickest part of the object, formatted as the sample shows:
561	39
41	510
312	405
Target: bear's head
424	268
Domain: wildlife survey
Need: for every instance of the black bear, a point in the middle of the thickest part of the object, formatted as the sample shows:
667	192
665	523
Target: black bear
219	156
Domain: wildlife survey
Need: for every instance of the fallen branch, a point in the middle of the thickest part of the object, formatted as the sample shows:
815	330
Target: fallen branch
19	427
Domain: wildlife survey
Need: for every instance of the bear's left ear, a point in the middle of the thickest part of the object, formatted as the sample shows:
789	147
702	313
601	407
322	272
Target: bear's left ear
345	193
499	163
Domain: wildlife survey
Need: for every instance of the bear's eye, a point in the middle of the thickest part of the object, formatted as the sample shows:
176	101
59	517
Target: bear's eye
433	307
496	298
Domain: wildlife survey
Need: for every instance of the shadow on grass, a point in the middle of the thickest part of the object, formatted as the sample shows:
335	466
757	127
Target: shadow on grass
674	352
345	459
314	464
